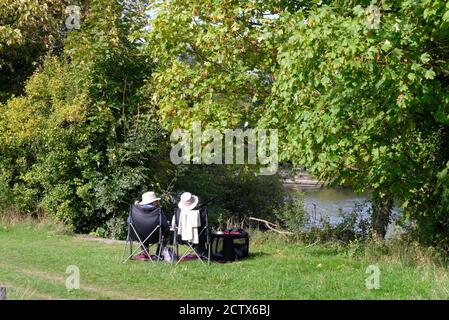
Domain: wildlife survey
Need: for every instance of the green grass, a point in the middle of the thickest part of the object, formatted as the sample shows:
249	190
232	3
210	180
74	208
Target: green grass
33	261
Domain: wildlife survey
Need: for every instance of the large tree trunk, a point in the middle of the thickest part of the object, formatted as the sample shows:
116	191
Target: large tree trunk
382	206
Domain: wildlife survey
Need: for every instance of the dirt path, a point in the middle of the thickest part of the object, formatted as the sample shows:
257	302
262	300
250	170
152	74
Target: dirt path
57	278
29	293
103	240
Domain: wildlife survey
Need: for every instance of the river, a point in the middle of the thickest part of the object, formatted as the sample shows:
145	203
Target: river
330	201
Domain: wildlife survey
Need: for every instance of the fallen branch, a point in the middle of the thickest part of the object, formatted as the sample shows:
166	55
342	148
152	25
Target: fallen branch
270	224
312	244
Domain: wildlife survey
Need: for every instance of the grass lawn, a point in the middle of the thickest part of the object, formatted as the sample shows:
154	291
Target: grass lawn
33	261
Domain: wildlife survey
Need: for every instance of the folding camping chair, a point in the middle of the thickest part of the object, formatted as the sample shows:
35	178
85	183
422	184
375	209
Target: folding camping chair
148	227
204	237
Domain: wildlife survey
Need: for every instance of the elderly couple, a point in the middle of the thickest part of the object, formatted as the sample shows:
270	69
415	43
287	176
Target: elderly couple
187	219
150	200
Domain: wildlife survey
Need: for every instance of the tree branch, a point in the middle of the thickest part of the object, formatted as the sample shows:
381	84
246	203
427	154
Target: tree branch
270	224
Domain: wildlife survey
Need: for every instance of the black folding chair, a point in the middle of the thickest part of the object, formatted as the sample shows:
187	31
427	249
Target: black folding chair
148	227
202	250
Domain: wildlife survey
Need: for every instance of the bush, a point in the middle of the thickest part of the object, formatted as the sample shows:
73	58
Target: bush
116	228
292	215
232	194
354	225
84	141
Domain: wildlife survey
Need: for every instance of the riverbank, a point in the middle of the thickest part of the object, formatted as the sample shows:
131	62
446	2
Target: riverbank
300	179
35	258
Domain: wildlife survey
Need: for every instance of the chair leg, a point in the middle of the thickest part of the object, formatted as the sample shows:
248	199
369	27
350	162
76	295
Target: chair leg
190	249
159	250
208	244
132	253
147	252
142	242
208	252
176	251
176	244
141	245
124	250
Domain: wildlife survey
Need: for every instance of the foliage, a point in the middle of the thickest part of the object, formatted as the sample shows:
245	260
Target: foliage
366	107
213	65
356	104
28	30
306	226
292	214
232	194
81	143
354	225
115	228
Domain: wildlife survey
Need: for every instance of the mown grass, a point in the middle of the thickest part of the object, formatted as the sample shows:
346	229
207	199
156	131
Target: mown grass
34	258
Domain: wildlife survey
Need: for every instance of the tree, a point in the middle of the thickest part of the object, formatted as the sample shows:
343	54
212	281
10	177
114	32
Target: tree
356	103
367	106
216	59
81	143
29	29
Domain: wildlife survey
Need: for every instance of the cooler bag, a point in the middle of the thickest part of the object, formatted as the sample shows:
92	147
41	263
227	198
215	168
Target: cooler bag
230	245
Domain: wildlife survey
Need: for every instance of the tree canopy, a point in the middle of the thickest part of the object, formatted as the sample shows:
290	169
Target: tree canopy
81	142
29	29
356	103
367	106
357	90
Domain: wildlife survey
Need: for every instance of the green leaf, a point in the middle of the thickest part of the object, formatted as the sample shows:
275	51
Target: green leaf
386	45
411	76
430	74
425	57
446	16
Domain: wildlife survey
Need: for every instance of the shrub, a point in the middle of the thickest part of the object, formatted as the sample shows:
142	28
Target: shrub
292	215
354	224
231	193
83	141
116	228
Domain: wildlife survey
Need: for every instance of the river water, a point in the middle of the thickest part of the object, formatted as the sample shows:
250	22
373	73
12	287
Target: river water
329	202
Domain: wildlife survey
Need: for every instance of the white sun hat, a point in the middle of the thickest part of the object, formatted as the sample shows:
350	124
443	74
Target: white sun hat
188	201
149	197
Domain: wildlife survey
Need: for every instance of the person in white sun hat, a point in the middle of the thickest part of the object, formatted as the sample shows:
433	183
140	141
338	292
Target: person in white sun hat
189	218
188	201
149	203
149	200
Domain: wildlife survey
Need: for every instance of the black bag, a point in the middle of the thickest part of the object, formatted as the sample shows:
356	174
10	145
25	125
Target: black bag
230	245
